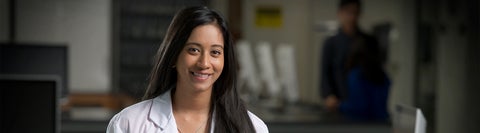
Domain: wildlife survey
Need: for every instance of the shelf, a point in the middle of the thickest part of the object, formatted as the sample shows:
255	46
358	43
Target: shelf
140	27
141	39
137	67
146	13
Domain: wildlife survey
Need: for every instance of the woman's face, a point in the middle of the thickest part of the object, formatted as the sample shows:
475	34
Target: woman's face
200	62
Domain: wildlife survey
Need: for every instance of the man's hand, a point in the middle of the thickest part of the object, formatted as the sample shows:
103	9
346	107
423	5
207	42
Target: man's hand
332	103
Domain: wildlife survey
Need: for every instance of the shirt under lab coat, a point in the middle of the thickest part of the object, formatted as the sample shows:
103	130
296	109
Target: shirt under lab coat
155	116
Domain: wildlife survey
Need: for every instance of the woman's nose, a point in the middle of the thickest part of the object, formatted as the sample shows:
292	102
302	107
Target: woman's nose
204	61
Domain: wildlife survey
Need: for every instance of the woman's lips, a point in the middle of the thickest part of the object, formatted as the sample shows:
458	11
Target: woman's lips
201	76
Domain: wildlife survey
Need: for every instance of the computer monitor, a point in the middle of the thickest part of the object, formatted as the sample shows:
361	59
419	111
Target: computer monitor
21	58
408	119
29	104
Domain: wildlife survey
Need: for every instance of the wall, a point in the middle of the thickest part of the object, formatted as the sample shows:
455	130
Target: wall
294	31
300	18
82	25
4	20
402	56
451	82
458	68
220	6
473	80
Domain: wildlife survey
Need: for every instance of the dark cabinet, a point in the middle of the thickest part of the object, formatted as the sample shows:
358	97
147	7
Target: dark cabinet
138	30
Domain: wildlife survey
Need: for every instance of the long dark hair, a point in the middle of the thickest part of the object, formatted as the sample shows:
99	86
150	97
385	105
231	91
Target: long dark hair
230	112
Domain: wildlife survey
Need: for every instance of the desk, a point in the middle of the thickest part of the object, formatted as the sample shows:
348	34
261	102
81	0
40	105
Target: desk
292	119
314	119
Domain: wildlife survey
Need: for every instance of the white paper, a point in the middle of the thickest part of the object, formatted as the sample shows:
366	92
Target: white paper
267	68
420	122
247	73
287	74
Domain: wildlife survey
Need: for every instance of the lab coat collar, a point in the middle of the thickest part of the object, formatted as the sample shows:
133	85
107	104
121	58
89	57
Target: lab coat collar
161	113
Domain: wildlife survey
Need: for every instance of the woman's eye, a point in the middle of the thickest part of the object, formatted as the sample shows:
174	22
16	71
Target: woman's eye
216	53
193	50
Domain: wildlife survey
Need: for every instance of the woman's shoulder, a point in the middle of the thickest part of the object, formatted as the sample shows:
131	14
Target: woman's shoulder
146	116
136	109
132	112
130	118
259	125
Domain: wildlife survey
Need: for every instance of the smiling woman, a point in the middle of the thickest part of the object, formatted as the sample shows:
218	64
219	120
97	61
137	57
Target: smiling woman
192	85
200	63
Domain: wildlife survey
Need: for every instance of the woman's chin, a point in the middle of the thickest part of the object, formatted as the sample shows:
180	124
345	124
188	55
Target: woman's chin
202	87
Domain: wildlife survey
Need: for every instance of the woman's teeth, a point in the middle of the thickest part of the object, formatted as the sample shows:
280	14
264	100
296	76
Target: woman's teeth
200	75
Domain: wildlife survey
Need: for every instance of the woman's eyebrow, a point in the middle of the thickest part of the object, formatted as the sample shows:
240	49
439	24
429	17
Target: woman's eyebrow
199	45
194	43
217	45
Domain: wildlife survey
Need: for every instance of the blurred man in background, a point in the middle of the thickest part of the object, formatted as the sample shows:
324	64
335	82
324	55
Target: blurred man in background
336	51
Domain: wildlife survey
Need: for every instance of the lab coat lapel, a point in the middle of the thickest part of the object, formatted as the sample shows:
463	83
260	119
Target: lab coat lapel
161	113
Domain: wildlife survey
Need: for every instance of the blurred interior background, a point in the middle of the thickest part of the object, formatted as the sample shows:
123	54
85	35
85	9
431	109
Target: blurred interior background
101	52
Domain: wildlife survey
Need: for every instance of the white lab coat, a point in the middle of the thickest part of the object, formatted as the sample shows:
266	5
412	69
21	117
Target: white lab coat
155	116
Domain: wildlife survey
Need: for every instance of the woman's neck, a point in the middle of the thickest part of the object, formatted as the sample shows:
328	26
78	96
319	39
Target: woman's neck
187	101
191	109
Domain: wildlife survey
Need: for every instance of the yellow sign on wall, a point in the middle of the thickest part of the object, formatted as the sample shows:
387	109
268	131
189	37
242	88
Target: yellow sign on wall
268	17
